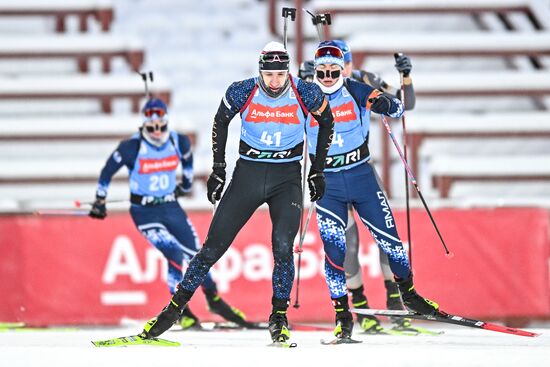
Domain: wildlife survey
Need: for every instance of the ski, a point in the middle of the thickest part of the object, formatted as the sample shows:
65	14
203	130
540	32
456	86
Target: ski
135	340
22	327
338	341
413	330
447	318
223	326
282	345
234	326
406	331
11	325
309	327
384	331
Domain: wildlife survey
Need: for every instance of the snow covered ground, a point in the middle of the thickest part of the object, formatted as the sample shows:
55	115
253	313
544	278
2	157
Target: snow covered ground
458	346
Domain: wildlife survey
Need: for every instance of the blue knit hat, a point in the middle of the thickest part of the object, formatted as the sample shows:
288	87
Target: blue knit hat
154	108
342	45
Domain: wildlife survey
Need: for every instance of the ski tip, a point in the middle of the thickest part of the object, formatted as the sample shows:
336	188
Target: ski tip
338	341
77	203
527	333
99	343
282	345
509	330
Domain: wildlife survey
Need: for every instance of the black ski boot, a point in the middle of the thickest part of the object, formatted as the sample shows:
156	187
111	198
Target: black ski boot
171	313
344	318
189	320
344	325
368	323
218	306
393	302
413	301
278	323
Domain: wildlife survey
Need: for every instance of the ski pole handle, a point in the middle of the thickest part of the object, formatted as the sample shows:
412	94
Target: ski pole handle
287	12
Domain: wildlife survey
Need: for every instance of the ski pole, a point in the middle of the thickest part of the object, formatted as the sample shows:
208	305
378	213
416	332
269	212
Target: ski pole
144	78
318	21
79	204
413	181
287	12
408	209
70	213
299	251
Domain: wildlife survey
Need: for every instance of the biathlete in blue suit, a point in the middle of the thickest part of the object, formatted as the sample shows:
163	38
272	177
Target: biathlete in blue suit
350	179
152	157
273	109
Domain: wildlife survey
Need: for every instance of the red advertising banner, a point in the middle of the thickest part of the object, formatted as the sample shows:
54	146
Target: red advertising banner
74	270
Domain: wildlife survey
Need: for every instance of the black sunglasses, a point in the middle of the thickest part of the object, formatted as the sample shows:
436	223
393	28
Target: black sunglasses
334	74
153	128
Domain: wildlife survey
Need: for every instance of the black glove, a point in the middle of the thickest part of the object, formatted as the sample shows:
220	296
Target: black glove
215	184
316	183
99	210
403	64
381	104
180	190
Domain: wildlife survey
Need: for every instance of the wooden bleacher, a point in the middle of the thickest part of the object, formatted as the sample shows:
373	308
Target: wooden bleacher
448	170
538	17
421	127
78	47
482	44
47	161
79	128
101	10
502	83
60	178
502	8
101	88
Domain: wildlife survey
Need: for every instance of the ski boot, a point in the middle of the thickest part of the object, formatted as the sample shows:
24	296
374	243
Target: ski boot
344	325
344	322
413	301
278	327
189	321
278	323
393	302
218	306
171	313
368	323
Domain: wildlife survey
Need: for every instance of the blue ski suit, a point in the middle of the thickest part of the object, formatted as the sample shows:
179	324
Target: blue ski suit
350	179
154	208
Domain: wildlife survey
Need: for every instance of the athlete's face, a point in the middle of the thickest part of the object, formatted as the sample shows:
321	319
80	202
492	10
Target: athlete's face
274	80
156	129
348	67
328	74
